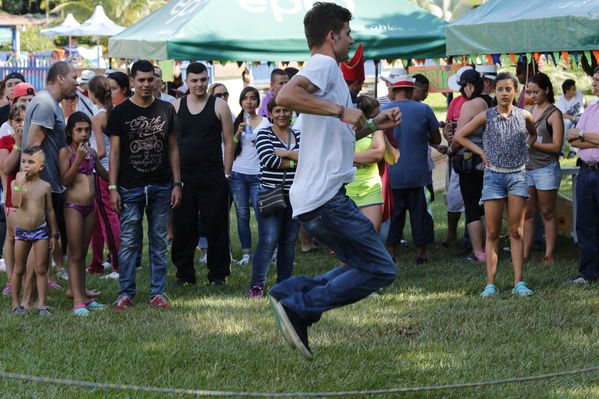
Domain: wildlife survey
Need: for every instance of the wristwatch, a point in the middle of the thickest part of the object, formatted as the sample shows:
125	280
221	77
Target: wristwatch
581	135
55	235
449	150
178	184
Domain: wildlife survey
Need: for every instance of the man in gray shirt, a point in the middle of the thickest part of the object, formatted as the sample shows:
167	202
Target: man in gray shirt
45	126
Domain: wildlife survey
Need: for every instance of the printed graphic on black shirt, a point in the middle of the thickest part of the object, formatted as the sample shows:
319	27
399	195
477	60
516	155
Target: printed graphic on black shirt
146	142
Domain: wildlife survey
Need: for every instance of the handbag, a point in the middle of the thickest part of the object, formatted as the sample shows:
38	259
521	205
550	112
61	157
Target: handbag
273	199
465	162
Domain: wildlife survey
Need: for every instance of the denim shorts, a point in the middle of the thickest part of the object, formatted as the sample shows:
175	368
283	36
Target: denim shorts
546	178
499	185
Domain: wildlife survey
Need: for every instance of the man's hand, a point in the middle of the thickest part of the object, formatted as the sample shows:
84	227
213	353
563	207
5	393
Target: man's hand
115	201
281	152
388	118
572	134
52	244
354	117
175	197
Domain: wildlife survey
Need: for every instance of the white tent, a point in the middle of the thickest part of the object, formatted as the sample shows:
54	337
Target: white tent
64	29
97	25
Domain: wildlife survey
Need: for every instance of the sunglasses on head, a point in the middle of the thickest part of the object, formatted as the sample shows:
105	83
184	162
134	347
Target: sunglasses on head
222	95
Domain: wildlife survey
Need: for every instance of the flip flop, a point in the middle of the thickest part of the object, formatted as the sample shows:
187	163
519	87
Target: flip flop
93	305
80	310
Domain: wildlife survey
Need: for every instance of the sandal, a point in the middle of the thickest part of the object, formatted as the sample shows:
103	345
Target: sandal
44	311
80	310
93	305
20	310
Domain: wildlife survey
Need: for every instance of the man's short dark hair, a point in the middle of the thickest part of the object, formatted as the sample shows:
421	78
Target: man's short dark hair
567	85
322	19
275	72
596	69
33	149
196	67
141	66
58	68
421	79
291	71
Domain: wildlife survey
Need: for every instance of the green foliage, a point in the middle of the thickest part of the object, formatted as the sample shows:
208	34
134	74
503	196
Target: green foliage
14	6
32	41
123	12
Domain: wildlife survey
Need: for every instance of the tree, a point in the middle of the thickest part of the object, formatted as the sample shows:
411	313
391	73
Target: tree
448	10
123	12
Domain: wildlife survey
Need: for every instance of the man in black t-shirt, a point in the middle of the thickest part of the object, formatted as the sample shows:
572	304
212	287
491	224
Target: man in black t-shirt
202	119
10	81
144	175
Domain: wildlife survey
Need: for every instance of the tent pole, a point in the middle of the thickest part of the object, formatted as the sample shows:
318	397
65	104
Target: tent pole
376	78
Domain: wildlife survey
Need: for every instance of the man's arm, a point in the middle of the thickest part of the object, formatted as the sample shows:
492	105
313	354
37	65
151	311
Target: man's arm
36	136
50	215
591	139
113	172
173	157
297	96
224	113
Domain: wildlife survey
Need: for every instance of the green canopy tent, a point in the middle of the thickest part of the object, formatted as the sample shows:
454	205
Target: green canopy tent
239	30
524	26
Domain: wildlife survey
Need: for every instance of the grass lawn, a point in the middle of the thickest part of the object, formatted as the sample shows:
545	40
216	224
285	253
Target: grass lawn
429	327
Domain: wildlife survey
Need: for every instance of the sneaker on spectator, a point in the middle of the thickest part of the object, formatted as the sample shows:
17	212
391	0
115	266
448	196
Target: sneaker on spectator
7	289
521	289
111	276
579	281
489	290
160	301
107	265
123	302
256	292
53	285
95	269
244	260
62	274
2	265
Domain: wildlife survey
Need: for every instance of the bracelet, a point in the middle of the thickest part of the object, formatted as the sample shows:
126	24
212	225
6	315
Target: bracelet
55	235
341	112
371	126
291	163
530	146
112	187
16	147
235	139
17	188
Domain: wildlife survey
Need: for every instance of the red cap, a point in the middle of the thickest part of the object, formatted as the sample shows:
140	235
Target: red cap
353	71
22	89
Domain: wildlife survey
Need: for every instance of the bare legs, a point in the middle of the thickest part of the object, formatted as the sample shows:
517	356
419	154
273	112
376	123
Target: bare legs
546	200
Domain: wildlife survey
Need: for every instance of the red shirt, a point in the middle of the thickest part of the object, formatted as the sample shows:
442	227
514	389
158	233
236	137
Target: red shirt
8	142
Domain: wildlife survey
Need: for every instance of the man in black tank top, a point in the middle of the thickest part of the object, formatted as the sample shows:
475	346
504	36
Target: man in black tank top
201	119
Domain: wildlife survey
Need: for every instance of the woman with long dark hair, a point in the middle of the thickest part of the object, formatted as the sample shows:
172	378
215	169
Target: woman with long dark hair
245	177
543	170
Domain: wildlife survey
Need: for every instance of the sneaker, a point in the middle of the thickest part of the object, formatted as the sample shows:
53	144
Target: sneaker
62	274
256	292
183	283
204	259
44	311
160	301
578	281
80	310
53	285
93	305
122	302
489	290
111	276
521	289
107	265
2	265
19	310
245	259
7	290
292	327
95	269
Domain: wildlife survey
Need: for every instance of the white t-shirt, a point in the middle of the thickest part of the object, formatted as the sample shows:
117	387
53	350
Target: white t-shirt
6	129
248	162
167	97
327	148
573	106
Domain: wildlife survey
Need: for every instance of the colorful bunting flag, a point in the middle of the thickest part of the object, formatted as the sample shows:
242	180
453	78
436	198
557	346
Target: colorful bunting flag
596	54
566	58
513	57
587	53
554	58
575	54
489	59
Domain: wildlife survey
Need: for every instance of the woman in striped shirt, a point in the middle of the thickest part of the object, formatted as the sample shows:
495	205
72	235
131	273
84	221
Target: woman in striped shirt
278	148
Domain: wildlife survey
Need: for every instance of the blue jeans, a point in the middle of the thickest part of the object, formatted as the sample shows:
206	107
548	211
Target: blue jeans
245	188
340	225
156	202
587	228
278	229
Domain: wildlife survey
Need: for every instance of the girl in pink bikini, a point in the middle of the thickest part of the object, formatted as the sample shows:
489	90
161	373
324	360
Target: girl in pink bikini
77	163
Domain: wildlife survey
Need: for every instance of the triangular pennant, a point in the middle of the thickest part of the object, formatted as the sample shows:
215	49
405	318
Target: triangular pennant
390	62
239	64
496	59
513	58
566	58
536	56
554	58
300	63
575	54
596	54
489	59
269	63
285	63
547	57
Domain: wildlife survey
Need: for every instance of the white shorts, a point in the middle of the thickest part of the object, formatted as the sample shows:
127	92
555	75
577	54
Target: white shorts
453	195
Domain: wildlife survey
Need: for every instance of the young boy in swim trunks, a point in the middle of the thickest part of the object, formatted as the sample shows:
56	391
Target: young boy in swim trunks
32	197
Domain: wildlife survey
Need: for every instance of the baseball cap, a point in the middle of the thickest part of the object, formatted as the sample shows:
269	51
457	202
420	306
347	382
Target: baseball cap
86	76
23	89
487	71
15	75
